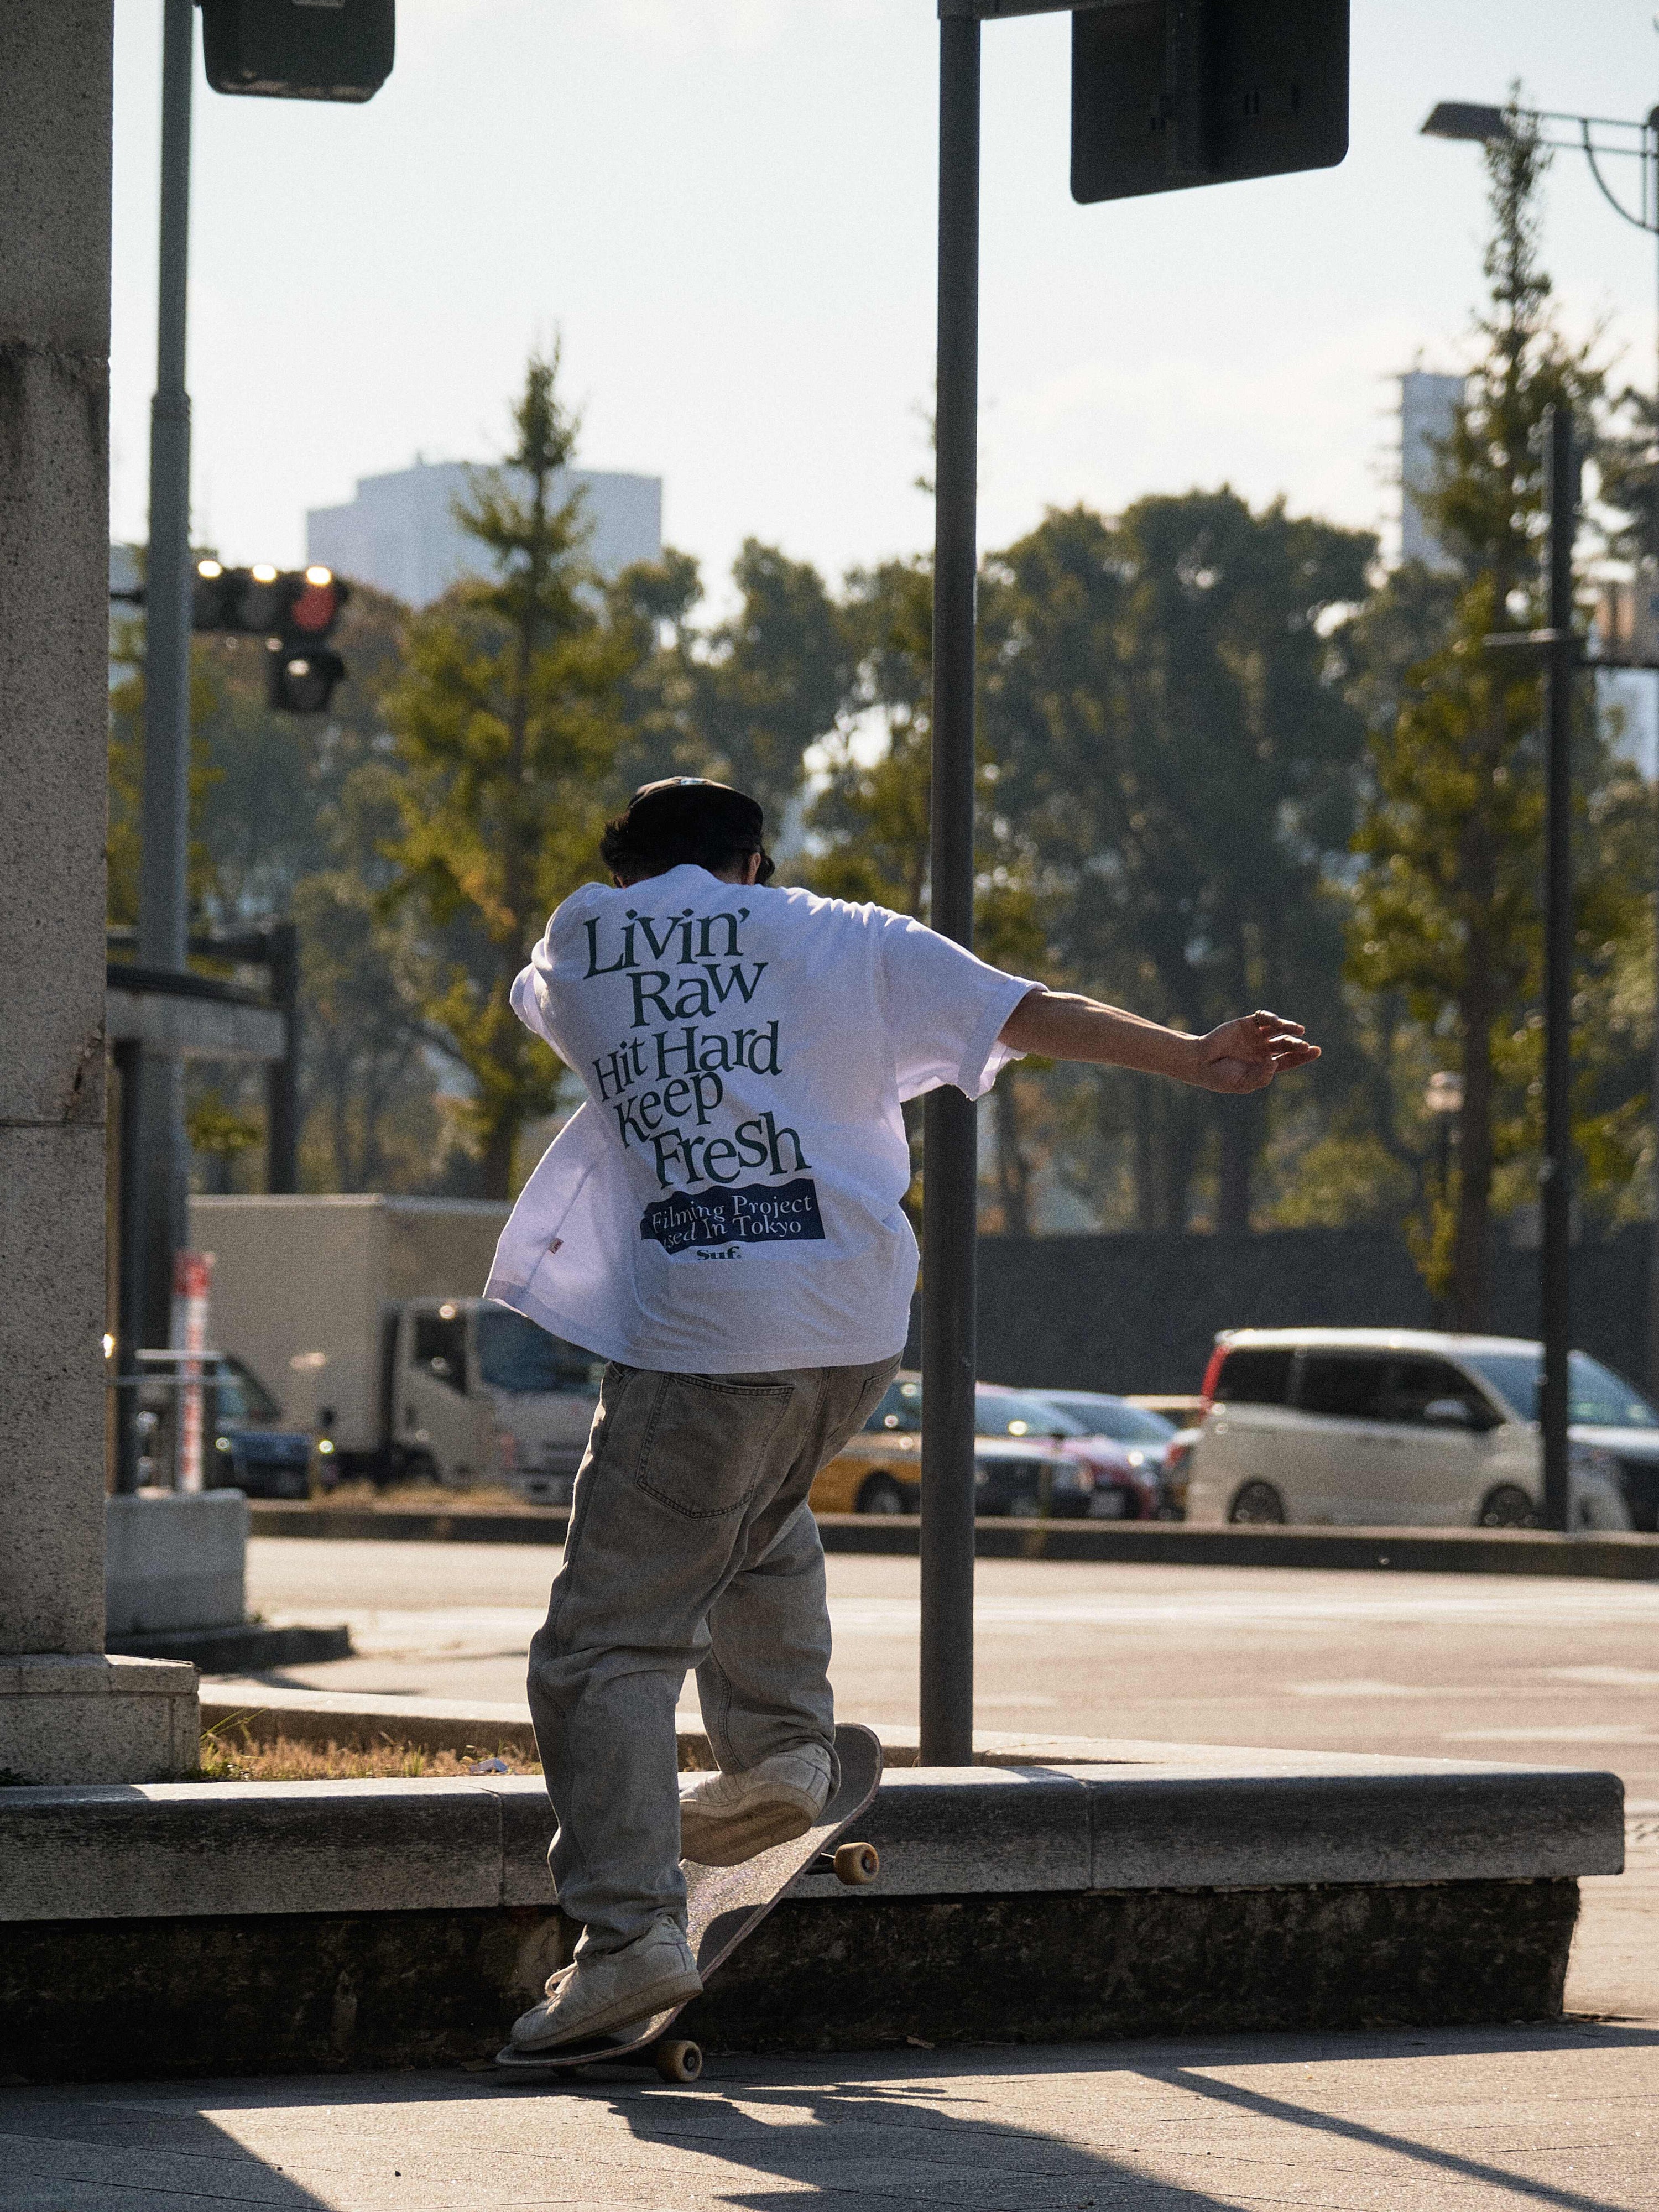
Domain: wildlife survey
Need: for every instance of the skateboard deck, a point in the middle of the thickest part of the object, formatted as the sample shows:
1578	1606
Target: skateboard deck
726	1903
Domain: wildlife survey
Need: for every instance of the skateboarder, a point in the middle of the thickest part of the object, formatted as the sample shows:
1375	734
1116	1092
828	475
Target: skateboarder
721	1220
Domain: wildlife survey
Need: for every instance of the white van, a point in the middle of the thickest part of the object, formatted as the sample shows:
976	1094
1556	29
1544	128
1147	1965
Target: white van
1387	1428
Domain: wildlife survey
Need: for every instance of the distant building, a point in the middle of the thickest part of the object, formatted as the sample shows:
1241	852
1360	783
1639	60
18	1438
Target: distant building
1428	415
400	533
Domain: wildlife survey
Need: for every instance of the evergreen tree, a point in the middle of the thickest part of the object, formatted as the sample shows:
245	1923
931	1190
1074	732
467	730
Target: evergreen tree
1447	904
508	722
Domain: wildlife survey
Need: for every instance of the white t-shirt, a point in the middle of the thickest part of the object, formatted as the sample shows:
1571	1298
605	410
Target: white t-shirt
728	1197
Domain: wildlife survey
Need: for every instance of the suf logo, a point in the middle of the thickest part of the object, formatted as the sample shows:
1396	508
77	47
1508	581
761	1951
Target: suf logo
759	1213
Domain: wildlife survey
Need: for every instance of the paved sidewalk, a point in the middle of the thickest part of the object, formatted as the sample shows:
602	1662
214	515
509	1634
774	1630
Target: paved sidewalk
1563	2118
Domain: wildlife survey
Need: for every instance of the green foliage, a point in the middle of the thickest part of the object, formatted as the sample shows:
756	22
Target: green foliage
1173	747
743	699
126	774
869	823
1446	904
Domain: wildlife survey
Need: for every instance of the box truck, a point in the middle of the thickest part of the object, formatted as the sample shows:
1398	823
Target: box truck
361	1312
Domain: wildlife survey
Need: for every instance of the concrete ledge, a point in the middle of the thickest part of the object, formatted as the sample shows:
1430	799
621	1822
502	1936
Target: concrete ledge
1615	1557
1216	1821
66	1718
173	1929
100	2000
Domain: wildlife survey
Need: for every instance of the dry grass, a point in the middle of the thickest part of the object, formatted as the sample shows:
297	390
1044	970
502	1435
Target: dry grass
228	1755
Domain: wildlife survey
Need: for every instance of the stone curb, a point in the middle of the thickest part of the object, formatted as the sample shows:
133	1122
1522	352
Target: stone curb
251	1644
1212	1820
1614	1557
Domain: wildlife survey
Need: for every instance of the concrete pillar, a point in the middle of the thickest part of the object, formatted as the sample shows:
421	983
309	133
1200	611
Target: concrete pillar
67	1713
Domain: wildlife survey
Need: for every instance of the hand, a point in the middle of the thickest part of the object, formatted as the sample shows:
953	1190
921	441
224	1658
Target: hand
1246	1054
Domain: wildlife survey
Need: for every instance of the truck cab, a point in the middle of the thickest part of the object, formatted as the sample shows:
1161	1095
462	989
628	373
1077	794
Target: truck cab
477	1394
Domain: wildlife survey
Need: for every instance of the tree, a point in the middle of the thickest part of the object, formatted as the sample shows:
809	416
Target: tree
508	719
126	777
1163	702
742	700
1446	905
870	822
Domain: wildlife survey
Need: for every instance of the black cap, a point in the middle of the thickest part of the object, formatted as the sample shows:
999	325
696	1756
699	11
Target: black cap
691	807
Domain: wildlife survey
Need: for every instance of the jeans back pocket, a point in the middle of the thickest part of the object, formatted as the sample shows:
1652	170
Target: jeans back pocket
706	1440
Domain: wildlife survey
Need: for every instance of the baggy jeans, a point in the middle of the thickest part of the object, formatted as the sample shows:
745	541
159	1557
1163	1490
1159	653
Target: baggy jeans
691	1545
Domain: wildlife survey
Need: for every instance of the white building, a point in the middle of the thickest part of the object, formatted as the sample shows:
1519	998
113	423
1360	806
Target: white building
400	533
1428	415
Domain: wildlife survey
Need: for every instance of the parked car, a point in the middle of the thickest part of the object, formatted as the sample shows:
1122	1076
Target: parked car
1392	1427
1149	1439
251	1448
1019	1466
1124	1479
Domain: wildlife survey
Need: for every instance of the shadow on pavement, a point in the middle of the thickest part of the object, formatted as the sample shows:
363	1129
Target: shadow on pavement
116	2148
1453	2165
912	2126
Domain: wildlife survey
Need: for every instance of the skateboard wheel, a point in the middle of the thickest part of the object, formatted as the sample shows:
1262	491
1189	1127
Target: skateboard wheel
857	1863
678	2062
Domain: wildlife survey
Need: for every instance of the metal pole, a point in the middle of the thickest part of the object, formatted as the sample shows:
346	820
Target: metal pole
282	1077
951	1167
158	1213
1555	1174
129	1291
1650	210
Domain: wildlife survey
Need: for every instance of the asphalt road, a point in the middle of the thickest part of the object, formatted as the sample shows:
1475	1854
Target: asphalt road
1445	1666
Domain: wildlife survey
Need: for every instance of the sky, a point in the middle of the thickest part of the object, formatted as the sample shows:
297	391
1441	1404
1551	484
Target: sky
724	209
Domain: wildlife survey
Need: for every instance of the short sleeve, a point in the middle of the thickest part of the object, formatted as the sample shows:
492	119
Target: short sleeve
945	1010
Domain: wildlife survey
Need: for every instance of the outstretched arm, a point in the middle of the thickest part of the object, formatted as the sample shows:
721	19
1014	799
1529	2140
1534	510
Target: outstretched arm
1240	1055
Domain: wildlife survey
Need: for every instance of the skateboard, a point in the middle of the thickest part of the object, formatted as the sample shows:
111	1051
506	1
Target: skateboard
723	1905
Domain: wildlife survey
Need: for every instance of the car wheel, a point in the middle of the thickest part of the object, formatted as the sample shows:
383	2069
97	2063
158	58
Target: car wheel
1507	1507
881	1494
1257	1502
412	1466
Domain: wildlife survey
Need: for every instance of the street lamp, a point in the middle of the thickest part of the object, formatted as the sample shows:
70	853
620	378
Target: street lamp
1444	1097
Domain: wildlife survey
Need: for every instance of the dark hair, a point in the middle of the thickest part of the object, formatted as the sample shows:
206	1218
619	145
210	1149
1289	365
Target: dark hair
686	819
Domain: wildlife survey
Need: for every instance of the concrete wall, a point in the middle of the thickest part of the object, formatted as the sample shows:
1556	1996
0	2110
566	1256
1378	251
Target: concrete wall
54	347
66	1714
1140	1313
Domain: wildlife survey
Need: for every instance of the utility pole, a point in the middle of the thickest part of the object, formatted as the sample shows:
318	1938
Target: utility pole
950	1124
1174	63
160	1161
1600	138
1556	1172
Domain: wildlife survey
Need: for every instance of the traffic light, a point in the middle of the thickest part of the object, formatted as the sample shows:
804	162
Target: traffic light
298	49
302	678
294	610
1168	94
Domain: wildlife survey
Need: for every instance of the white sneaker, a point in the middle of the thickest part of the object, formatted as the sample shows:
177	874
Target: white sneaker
727	1818
606	1990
